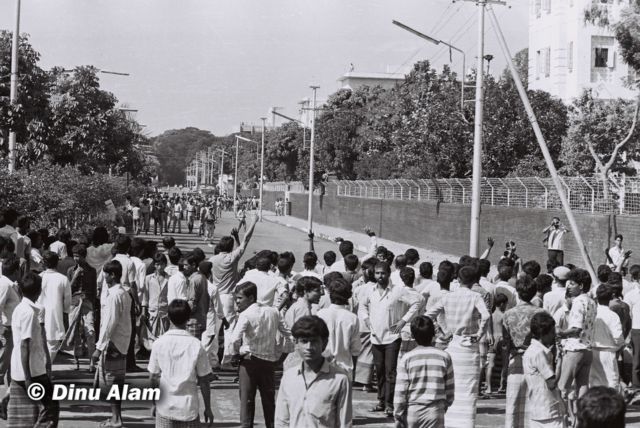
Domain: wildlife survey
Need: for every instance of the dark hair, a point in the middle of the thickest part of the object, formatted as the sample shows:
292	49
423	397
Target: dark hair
467	275
263	264
310	260
500	299
329	258
340	292
310	326
137	246
50	259
23	222
351	262
484	266
601	407
114	268
174	255
287	255
226	244
123	242
408	276
389	257
412	256
285	264
383	265
580	276
543	283
204	267
10	265
179	312
401	261
465	260
9	216
603	273
330	277
634	271
35	237
604	294
345	248
168	242
248	289
310	283
445	274
531	268
541	323
505	272
426	270
368	267
30	285
160	258
615	278
198	254
619	236
526	288
80	250
423	330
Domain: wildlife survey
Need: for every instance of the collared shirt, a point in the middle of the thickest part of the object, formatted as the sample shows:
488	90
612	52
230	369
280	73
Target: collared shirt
464	311
554	300
508	290
312	273
115	322
299	309
561	317
425	376
384	308
324	401
9	299
178	287
256	332
128	270
428	288
555	239
180	360
623	311
344	336
224	270
487	298
60	248
199	288
607	330
517	324
154	294
215	309
632	298
359	293
268	285
543	403
582	316
56	300
617	256
25	324
140	270
488	286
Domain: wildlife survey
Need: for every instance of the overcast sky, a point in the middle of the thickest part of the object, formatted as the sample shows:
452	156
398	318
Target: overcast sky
215	63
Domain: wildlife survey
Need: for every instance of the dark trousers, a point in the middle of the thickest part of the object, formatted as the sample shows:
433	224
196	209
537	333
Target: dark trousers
131	351
556	258
385	360
157	222
635	342
255	373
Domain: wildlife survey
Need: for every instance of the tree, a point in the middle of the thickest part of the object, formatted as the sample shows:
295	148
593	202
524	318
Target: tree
281	151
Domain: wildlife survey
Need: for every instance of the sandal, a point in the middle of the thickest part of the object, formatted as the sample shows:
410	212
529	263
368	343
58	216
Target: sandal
379	408
109	424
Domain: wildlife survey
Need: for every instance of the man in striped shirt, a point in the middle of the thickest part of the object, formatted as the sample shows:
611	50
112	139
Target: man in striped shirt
424	384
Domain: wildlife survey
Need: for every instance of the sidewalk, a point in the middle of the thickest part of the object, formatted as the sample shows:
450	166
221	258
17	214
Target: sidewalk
360	241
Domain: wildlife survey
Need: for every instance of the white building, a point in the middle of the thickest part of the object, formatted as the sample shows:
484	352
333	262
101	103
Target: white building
567	55
352	80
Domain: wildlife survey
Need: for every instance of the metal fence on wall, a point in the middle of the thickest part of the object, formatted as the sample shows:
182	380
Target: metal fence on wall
585	194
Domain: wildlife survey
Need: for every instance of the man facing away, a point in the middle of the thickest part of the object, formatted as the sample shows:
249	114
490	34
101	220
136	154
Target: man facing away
178	365
56	300
316	392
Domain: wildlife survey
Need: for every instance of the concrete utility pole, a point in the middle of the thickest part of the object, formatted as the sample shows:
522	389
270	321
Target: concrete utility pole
13	92
477	140
235	179
264	119
311	158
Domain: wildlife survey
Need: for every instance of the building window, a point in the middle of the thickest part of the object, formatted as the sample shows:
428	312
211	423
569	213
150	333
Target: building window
601	57
546	6
547	62
570	57
538	8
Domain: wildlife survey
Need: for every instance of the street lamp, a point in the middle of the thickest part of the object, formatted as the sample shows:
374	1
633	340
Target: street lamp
261	166
13	92
437	42
311	159
235	178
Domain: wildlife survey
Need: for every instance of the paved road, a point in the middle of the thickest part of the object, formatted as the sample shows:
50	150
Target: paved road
224	395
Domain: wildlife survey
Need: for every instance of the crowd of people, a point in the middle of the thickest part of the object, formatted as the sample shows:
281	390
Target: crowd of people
563	347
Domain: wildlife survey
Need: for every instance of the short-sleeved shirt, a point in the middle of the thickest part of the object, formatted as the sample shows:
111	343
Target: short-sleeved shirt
543	403
9	299
180	360
517	323
136	213
224	270
582	316
25	324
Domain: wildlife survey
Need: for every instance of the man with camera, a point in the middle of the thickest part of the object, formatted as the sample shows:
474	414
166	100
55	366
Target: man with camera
554	237
618	257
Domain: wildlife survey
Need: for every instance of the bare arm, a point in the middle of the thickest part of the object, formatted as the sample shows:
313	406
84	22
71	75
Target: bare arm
486	253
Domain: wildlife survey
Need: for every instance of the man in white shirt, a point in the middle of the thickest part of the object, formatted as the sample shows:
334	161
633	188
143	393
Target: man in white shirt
9	299
384	312
425	284
30	362
344	344
115	333
178	365
554	235
346	248
178	286
136	251
554	300
505	273
607	341
268	285
56	300
632	298
60	245
616	257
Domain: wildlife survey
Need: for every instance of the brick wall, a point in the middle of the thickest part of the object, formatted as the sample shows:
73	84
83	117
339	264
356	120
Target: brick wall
445	227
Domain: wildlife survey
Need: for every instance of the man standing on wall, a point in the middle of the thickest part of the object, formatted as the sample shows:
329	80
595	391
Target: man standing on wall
554	236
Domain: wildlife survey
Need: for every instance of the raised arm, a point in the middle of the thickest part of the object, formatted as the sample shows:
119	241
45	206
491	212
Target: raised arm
486	253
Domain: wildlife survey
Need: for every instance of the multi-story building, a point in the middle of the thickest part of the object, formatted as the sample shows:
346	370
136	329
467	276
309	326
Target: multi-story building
568	55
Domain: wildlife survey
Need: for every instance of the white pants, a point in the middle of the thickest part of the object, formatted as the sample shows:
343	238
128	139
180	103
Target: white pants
604	369
53	346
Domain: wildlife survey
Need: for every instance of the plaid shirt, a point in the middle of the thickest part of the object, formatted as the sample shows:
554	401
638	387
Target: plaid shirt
464	310
256	333
425	375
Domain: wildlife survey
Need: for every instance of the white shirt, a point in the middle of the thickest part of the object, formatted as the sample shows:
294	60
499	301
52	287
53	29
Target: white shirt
268	285
115	323
607	330
632	298
554	300
215	309
617	255
25	325
128	270
9	299
178	287
312	273
60	248
395	279
140	270
428	288
344	336
488	286
555	239
505	288
56	300
180	360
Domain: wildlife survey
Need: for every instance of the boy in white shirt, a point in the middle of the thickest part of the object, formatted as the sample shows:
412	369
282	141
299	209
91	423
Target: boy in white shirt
607	340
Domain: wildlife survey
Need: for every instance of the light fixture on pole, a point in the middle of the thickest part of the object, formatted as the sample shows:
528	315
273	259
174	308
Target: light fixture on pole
311	159
264	119
438	42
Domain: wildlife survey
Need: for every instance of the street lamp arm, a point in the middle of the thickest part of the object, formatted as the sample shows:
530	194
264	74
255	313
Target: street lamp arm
288	118
246	139
417	33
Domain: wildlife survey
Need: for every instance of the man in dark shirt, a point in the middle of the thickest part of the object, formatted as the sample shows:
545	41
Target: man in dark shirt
83	281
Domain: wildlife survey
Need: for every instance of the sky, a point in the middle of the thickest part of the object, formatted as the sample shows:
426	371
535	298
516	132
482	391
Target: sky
213	64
